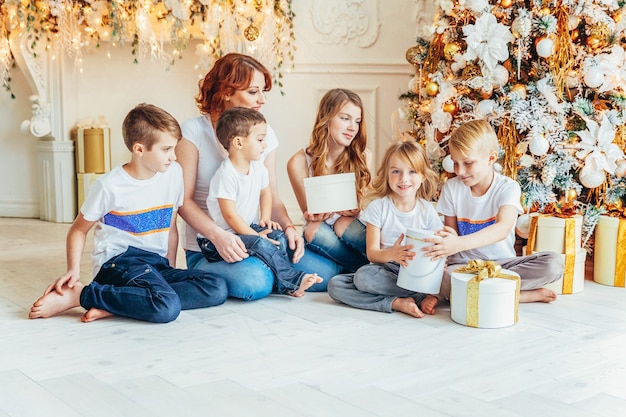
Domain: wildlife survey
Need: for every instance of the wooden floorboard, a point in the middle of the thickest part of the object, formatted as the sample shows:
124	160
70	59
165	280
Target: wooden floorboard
282	356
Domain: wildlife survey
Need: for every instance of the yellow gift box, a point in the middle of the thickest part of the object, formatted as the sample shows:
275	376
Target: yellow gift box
562	235
484	295
93	150
609	266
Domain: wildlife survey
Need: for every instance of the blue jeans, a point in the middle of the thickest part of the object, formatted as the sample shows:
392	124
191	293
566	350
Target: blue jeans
251	279
347	250
372	287
142	285
275	257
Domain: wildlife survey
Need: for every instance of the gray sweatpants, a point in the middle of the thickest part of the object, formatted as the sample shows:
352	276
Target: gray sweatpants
371	287
535	270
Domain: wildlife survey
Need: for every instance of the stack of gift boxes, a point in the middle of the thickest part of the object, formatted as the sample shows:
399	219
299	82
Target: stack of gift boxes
93	158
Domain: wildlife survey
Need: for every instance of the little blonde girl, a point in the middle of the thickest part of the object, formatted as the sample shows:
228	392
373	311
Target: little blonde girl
399	200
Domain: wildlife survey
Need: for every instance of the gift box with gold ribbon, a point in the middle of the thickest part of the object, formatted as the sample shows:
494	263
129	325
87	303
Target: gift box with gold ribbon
484	295
549	233
609	266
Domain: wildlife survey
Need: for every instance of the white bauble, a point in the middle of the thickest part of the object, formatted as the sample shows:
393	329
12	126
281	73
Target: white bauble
522	228
545	47
539	146
572	22
447	164
484	107
501	75
593	77
591	177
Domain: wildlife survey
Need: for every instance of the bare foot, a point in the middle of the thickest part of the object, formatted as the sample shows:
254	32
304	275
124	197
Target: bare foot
428	304
540	295
54	303
407	306
307	282
94	314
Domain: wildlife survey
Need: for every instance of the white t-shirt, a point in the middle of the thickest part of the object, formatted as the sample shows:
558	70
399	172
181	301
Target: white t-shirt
200	132
476	213
244	189
132	212
392	222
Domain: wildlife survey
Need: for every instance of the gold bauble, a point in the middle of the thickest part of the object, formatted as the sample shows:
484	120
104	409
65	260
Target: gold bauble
595	42
251	33
451	49
617	16
545	11
506	3
432	88
450	107
618	204
520	89
574	34
471	71
601	30
412	55
571	194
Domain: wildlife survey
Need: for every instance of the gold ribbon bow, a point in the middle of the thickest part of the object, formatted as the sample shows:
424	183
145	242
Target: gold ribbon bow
483	270
570	248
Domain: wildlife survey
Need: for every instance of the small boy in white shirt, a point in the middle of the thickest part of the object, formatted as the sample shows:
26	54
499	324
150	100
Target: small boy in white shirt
240	193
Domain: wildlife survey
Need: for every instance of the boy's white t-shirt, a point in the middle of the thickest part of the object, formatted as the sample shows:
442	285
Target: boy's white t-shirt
201	133
476	213
392	222
132	212
244	189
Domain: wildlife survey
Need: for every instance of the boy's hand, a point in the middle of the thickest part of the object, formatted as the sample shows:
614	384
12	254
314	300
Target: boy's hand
70	278
446	243
269	224
265	232
401	253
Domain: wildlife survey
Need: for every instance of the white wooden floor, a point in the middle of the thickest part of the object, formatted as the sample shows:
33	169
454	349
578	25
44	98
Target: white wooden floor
299	357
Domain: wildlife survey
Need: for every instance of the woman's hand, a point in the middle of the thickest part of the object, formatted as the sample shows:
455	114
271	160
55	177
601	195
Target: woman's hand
269	224
320	217
349	213
229	246
295	242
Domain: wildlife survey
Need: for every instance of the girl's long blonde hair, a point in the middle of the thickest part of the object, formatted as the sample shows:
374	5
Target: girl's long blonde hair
412	154
353	159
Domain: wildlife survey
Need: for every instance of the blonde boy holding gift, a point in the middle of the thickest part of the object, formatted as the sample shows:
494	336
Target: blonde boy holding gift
480	209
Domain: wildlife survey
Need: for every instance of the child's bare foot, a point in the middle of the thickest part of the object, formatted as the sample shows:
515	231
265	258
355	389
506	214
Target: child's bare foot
407	306
540	295
94	314
428	304
54	303
307	282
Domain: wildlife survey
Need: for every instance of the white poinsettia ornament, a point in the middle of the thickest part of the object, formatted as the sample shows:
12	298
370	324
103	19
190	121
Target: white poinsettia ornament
487	40
596	147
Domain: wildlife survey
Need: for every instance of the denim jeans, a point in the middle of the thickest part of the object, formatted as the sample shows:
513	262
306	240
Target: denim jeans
347	250
142	285
251	279
275	257
372	287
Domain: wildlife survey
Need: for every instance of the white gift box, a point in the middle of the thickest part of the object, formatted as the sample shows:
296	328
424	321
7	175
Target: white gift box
422	274
577	281
497	300
551	233
330	193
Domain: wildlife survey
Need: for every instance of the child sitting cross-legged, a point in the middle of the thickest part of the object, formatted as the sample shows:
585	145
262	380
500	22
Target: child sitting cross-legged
240	200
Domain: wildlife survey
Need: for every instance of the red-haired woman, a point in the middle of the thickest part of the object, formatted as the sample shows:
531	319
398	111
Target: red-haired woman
235	80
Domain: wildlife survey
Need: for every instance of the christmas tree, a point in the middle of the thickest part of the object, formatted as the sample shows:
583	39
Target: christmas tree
550	76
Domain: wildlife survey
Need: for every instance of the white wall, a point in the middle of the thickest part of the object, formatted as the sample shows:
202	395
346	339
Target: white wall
372	64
